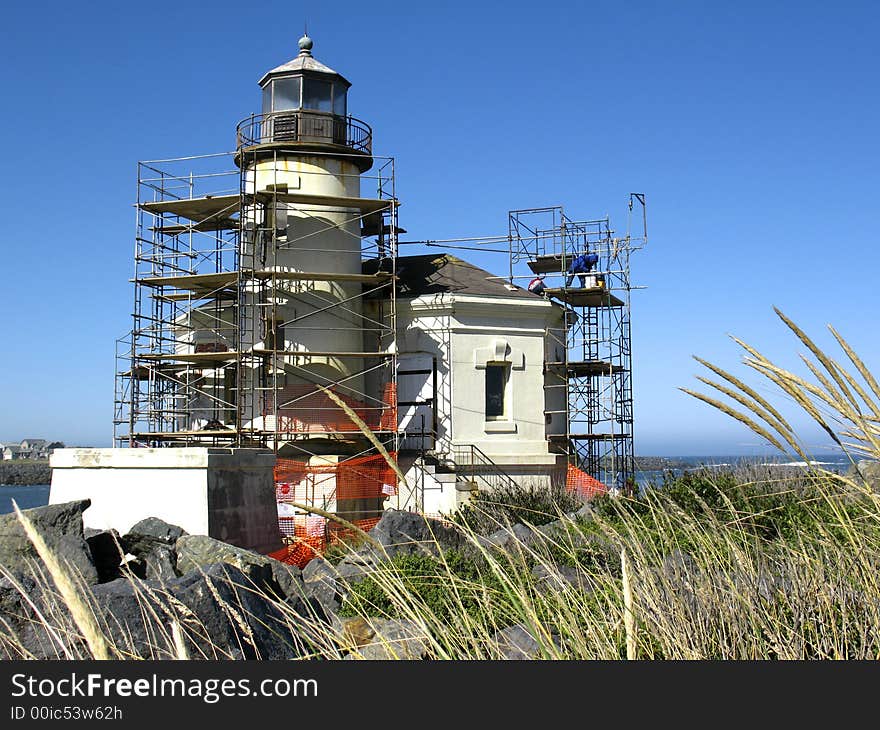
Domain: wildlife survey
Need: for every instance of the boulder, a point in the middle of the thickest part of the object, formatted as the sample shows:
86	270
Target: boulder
401	532
384	639
198	551
321	584
355	567
107	555
150	533
159	565
61	526
869	471
288	578
556	578
220	616
24	634
516	643
508	538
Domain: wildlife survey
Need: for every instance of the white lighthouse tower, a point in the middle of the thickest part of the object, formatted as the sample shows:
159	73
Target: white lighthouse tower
303	219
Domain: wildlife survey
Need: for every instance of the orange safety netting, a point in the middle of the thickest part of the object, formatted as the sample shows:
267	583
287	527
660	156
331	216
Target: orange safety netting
304	408
582	484
357	486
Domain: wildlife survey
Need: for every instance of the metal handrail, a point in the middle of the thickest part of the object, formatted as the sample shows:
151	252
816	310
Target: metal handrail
304	126
477	464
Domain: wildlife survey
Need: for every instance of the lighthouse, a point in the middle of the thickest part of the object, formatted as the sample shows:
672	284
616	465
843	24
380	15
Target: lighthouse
302	215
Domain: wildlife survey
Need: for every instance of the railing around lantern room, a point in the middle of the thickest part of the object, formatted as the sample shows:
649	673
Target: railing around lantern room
305	126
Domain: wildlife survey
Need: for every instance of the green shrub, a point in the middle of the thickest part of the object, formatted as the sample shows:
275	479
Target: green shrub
490	510
442	588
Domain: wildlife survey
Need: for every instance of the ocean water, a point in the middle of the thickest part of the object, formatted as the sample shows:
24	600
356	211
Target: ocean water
38	495
838	463
25	496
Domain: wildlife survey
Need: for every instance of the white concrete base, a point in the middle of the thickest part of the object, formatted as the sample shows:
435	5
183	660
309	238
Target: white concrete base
228	494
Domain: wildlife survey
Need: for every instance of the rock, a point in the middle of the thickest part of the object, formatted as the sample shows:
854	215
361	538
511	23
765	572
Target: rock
106	550
679	565
269	635
353	568
584	513
321	584
222	618
24	635
555	529
159	565
508	538
149	533
383	639
159	529
516	643
869	471
402	532
288	578
197	551
61	526
559	578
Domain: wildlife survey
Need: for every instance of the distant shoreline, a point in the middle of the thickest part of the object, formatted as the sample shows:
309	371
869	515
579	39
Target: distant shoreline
24	473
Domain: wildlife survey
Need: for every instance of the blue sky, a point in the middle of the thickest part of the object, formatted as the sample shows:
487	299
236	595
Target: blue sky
750	127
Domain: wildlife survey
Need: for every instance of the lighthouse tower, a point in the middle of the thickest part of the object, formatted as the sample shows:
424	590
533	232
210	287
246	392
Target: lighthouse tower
302	220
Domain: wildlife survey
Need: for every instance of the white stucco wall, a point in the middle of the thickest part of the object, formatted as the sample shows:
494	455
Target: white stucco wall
465	333
228	494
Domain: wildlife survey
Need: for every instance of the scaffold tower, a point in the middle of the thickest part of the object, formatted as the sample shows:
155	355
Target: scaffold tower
253	268
588	365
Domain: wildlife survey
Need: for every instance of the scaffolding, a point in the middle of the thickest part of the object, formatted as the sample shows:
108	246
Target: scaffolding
588	367
265	313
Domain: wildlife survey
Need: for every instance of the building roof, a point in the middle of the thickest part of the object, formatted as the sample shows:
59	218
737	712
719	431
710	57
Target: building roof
303	62
12	448
444	273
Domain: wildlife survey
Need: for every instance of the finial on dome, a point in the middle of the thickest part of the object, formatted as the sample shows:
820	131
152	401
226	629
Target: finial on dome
305	45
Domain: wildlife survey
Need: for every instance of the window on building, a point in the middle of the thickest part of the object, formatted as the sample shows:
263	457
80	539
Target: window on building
286	94
275	334
339	93
230	395
497	376
316	95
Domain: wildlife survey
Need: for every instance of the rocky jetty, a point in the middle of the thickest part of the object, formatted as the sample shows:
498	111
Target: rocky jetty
158	592
25	472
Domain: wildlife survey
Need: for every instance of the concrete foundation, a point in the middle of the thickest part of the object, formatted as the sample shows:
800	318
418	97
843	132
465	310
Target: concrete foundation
228	494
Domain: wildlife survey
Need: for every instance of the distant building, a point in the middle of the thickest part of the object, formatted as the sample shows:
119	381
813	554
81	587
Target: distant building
11	451
33	449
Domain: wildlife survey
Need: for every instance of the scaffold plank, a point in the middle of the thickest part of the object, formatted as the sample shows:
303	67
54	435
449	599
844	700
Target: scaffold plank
211	225
587	297
588	436
583	368
366	205
207	282
193	357
231	355
196	209
549	264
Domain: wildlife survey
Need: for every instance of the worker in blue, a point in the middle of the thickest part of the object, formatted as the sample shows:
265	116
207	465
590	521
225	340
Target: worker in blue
582	265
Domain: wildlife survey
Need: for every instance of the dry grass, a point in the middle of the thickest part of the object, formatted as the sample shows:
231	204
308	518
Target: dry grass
762	564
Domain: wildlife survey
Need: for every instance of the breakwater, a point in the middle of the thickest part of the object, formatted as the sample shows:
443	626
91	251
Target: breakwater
25	472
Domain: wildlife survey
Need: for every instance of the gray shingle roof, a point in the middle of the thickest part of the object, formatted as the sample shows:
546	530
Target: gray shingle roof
442	273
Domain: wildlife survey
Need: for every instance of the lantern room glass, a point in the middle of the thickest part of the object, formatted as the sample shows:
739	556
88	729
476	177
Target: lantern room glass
296	92
317	95
285	94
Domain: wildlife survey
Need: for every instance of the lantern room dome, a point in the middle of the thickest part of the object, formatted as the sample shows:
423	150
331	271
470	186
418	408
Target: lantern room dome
303	63
305	107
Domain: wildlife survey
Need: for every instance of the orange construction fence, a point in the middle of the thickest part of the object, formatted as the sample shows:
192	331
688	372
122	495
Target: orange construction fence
354	488
582	484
